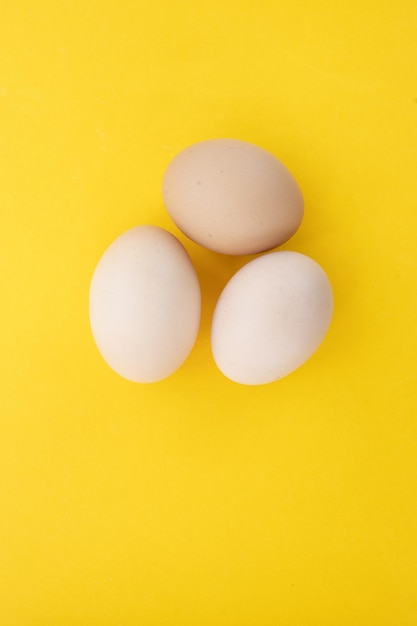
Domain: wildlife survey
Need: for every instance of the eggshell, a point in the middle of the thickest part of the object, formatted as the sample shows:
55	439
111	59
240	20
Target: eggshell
145	304
271	317
232	197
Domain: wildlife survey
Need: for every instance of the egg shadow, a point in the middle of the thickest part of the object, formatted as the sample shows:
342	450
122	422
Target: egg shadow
214	270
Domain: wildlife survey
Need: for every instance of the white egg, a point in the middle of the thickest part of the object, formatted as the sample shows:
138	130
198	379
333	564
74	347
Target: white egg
145	304
271	317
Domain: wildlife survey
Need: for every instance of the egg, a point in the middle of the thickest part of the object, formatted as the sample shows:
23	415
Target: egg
232	197
271	317
145	304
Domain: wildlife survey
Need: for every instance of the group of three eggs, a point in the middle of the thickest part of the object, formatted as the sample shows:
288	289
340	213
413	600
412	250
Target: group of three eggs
234	198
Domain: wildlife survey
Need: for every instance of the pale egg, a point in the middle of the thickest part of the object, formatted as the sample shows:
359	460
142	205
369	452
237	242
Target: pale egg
145	304
271	317
232	197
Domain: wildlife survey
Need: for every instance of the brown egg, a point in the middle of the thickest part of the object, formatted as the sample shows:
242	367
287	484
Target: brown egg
232	197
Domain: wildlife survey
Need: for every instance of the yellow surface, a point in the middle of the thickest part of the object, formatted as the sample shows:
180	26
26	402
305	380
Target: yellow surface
196	501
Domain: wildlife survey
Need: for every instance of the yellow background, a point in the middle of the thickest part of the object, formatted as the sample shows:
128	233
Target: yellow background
196	501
